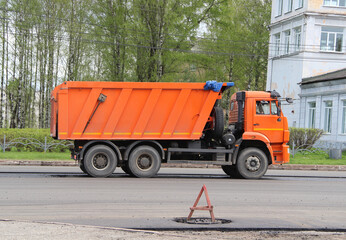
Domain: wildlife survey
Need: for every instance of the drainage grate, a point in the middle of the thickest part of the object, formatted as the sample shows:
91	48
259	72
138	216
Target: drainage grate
202	221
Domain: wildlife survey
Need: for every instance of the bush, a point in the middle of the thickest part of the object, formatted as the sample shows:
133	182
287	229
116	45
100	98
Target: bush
31	140
304	138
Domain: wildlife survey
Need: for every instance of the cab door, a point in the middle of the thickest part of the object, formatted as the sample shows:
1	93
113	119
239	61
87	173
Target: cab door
267	121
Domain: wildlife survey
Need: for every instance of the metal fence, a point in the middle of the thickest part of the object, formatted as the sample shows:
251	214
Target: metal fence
40	145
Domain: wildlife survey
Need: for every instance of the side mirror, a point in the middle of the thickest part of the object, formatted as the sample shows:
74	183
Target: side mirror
279	112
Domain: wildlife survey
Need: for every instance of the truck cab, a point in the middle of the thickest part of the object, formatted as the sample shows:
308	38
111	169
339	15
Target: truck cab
257	122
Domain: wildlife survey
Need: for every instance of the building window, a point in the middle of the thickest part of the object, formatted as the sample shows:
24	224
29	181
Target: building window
300	3
343	123
279	12
287	41
289	5
335	3
312	114
331	39
328	105
277	44
297	39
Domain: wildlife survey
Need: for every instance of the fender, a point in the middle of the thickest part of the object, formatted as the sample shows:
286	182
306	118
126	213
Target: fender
236	150
132	145
252	136
104	142
256	136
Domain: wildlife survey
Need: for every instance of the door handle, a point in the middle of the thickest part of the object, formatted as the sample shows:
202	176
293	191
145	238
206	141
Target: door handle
256	124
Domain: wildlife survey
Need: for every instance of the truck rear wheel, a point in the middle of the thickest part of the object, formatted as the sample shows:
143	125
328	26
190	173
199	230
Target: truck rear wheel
231	170
126	169
100	161
144	162
252	163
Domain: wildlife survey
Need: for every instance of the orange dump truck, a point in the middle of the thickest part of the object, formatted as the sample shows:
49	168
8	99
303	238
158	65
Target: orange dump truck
137	126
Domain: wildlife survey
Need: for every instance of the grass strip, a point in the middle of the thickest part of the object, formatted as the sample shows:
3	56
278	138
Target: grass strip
41	156
316	158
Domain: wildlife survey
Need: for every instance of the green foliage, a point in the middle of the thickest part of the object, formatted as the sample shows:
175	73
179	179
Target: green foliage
304	138
44	43
31	140
239	34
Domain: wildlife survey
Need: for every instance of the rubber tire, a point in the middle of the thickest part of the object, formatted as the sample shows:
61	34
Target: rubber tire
81	166
154	156
241	163
100	149
231	170
126	169
219	122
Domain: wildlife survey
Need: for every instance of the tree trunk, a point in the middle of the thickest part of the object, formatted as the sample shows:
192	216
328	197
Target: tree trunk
3	67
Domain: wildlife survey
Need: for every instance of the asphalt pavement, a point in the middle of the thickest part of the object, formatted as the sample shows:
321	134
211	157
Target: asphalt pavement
282	199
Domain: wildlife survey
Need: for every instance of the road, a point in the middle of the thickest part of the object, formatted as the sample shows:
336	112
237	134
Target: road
280	200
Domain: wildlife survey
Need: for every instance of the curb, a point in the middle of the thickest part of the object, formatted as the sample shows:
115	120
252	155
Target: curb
173	165
309	167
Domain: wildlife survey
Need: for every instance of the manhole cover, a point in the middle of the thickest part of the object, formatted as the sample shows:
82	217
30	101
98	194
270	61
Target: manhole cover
202	221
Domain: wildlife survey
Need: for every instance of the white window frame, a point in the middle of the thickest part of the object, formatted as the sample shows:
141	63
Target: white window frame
331	36
277	38
297	38
300	4
328	116
343	118
287	35
334	3
289	5
311	115
279	8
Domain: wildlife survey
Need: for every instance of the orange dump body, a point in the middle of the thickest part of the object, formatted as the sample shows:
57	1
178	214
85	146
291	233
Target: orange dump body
130	110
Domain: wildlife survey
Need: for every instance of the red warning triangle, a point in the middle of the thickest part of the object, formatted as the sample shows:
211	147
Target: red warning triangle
209	207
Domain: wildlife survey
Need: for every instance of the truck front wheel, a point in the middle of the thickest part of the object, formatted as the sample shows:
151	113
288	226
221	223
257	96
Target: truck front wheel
81	166
100	161
252	163
144	162
231	170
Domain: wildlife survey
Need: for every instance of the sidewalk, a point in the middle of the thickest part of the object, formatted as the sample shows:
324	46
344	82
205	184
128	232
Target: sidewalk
27	230
68	163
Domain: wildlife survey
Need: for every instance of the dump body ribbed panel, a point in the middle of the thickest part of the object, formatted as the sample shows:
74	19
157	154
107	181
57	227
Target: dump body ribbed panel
131	110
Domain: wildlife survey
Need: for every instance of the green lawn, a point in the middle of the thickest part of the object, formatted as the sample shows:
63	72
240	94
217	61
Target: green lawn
35	156
318	158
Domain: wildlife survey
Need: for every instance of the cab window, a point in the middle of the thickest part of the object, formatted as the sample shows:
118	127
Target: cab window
274	108
262	107
232	105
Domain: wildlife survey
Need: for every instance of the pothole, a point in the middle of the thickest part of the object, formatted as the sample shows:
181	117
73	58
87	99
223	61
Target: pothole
202	221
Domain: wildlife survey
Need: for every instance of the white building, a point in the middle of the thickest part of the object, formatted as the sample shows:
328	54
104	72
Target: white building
307	39
323	106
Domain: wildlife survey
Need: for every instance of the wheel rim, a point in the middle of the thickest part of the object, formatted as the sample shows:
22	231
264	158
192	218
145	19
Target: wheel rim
144	162
253	163
100	161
